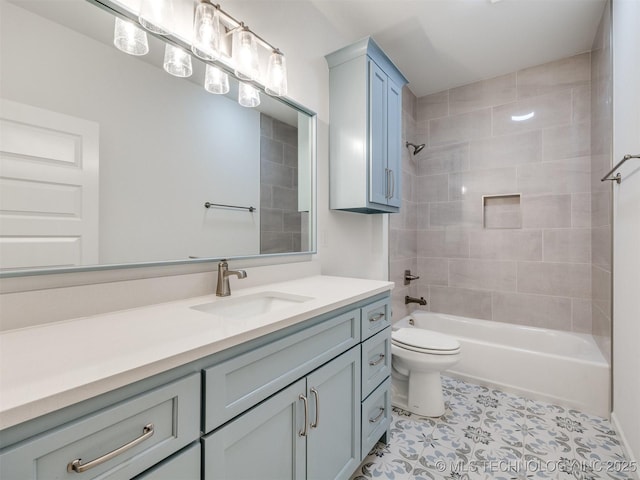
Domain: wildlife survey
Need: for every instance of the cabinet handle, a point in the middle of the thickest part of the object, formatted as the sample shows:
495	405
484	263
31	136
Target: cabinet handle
392	183
373	363
78	467
377	317
377	417
315	394
386	187
304	431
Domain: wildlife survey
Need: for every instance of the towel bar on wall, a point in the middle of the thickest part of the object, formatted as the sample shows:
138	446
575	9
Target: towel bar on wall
618	177
209	205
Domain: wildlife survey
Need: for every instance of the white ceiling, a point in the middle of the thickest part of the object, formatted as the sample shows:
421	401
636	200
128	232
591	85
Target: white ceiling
437	44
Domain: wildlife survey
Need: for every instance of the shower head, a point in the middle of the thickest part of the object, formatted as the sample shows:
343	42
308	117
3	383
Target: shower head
416	148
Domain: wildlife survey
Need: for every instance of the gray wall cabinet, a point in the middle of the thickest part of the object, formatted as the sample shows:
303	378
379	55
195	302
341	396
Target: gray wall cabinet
299	403
365	130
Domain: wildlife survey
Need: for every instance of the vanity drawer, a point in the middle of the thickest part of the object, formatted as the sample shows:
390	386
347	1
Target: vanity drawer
376	416
184	466
376	361
130	437
375	317
240	383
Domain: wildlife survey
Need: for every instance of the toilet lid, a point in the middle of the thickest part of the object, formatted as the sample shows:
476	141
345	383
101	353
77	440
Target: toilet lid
415	338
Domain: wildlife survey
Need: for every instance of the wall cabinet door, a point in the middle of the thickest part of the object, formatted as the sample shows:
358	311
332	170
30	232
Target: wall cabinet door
263	444
394	143
333	442
379	174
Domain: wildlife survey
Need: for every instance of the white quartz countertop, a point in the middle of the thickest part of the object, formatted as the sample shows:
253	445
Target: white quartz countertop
48	367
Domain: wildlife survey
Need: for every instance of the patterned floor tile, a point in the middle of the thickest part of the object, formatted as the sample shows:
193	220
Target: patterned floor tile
487	434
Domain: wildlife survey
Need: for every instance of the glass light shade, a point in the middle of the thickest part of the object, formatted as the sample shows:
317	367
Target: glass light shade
245	54
206	32
129	38
157	16
177	62
215	80
276	74
248	96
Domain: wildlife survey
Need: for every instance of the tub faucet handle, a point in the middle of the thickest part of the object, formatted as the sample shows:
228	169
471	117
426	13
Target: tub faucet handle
408	277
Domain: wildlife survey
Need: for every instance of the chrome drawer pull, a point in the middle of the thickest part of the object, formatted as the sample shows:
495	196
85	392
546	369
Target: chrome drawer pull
315	393
373	363
376	317
378	417
78	467
304	431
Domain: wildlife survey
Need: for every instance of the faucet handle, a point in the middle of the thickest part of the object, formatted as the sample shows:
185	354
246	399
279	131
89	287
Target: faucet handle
408	277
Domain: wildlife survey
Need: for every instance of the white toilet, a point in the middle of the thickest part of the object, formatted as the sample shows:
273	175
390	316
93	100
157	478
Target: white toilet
418	357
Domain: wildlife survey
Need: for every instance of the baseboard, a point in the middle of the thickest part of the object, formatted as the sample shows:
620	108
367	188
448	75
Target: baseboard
625	445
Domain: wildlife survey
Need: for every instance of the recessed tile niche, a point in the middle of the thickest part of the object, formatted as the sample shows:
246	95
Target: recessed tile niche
501	211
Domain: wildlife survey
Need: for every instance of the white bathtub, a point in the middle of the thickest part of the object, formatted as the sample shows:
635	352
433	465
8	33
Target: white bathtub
560	367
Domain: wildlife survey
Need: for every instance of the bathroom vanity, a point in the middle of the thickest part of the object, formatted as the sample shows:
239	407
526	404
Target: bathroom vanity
191	389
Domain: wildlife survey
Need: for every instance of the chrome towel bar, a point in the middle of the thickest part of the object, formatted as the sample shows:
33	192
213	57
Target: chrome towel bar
209	205
618	177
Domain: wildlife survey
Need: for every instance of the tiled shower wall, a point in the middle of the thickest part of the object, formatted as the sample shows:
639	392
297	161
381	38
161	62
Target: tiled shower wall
601	163
280	221
403	226
539	272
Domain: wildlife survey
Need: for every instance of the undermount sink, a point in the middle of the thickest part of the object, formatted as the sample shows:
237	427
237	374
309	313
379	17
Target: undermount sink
251	305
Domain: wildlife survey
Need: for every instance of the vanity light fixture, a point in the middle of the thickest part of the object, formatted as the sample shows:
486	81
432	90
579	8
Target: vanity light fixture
129	38
248	95
276	74
157	16
206	31
215	80
245	53
177	62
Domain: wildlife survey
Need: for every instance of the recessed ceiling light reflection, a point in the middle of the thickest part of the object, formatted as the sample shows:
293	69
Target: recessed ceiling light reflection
522	118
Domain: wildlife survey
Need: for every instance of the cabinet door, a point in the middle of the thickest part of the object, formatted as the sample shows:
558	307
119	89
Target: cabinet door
333	443
394	142
262	444
377	138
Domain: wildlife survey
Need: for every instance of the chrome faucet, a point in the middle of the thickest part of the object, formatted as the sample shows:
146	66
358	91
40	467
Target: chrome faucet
223	289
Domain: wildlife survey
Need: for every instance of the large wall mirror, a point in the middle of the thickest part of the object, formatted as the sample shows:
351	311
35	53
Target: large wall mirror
108	160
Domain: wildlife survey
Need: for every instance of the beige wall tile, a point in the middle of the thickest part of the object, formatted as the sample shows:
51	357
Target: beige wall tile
473	184
407	243
581	317
432	188
601	208
506	244
483	274
601	247
486	93
502	212
432	106
506	150
460	128
581	104
450	243
554	76
546	211
549	110
423	214
432	271
451	158
580	210
567	245
533	310
601	286
461	301
564	176
566	141
455	214
563	279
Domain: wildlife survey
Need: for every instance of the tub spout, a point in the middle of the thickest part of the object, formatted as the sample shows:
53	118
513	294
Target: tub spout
419	301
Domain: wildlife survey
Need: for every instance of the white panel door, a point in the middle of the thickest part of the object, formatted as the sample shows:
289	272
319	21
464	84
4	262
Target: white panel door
48	188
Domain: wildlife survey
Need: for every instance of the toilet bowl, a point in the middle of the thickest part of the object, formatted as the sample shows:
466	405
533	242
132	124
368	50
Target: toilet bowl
418	357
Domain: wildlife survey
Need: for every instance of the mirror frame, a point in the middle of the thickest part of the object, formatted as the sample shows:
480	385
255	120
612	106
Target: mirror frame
118	11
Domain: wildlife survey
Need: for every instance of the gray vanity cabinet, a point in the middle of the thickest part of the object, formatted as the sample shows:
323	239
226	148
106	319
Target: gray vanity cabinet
308	430
365	130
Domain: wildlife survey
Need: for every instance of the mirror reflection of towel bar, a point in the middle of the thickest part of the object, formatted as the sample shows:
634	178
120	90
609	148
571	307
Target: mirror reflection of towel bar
618	177
209	205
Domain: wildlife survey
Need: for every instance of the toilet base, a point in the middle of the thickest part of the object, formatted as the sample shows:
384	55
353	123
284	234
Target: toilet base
425	394
429	401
